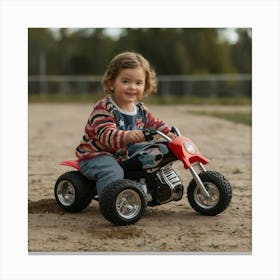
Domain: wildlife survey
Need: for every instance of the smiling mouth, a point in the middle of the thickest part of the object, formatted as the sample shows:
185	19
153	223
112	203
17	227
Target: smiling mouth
130	94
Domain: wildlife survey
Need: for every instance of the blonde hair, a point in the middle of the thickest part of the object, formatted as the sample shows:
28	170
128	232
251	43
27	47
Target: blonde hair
130	60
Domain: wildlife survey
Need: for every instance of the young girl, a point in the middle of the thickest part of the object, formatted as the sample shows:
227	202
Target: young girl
116	121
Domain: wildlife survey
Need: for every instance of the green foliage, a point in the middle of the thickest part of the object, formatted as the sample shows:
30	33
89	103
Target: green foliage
242	51
170	50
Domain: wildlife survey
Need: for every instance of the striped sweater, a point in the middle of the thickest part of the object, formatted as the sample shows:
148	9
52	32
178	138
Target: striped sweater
104	131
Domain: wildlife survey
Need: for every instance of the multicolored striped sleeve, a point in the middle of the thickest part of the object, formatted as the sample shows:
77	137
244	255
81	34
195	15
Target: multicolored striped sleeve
154	122
102	126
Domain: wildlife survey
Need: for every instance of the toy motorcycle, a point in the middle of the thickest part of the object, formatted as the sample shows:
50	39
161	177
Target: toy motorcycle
123	202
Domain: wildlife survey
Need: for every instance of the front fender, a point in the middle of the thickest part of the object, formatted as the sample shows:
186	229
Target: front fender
177	147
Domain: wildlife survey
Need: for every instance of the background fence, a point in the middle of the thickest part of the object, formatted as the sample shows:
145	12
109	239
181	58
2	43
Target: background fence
225	85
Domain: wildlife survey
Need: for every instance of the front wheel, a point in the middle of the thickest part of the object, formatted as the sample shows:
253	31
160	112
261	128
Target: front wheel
122	202
219	190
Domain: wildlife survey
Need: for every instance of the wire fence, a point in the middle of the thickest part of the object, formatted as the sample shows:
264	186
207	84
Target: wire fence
224	85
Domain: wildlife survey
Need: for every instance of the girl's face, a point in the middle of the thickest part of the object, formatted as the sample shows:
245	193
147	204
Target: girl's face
128	87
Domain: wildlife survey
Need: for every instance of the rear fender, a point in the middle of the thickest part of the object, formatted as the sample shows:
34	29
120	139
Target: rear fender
72	163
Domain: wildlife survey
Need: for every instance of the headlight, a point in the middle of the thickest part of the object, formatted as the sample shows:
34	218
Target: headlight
189	147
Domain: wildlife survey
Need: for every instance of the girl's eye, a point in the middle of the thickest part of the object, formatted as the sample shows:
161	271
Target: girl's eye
139	83
125	81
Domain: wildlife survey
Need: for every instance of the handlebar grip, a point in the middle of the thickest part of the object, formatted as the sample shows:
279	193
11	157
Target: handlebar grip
149	134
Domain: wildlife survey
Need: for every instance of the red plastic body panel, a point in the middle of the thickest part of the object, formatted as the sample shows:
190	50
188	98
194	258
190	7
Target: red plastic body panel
179	150
176	146
72	163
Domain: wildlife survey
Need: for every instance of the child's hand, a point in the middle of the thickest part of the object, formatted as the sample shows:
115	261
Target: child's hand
171	135
134	136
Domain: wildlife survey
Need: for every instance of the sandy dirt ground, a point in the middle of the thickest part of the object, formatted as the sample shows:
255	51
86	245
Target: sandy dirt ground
55	130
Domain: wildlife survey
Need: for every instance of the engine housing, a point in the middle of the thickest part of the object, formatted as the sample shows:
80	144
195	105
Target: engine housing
170	187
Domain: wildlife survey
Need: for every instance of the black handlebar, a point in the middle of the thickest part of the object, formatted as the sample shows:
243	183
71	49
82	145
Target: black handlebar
149	134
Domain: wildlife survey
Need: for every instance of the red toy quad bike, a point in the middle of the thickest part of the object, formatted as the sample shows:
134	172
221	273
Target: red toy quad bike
123	202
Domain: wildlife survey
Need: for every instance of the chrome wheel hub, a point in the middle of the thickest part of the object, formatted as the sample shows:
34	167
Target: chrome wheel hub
128	204
214	196
65	193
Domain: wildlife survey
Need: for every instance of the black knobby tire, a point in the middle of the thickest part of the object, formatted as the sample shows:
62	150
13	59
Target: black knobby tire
73	191
122	202
218	187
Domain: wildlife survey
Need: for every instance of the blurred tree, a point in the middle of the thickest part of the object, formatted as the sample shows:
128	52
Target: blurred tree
40	44
242	51
161	46
91	52
87	51
207	54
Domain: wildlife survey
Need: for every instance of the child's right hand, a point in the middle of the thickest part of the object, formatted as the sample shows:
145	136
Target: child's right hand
134	136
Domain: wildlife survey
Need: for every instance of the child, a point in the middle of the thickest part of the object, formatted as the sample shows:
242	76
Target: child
116	121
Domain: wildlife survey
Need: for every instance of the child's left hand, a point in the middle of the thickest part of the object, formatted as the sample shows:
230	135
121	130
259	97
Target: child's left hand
171	135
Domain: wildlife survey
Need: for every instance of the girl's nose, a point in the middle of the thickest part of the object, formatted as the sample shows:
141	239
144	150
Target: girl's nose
132	85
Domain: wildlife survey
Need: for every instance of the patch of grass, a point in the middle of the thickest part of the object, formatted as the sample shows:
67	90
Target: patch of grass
237	117
181	100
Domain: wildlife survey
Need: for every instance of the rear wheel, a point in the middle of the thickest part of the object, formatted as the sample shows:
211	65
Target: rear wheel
122	202
219	190
73	191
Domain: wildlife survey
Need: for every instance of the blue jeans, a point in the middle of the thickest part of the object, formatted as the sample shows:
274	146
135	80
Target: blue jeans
103	169
106	169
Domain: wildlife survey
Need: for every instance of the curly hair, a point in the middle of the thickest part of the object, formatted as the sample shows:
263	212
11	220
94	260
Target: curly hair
130	60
